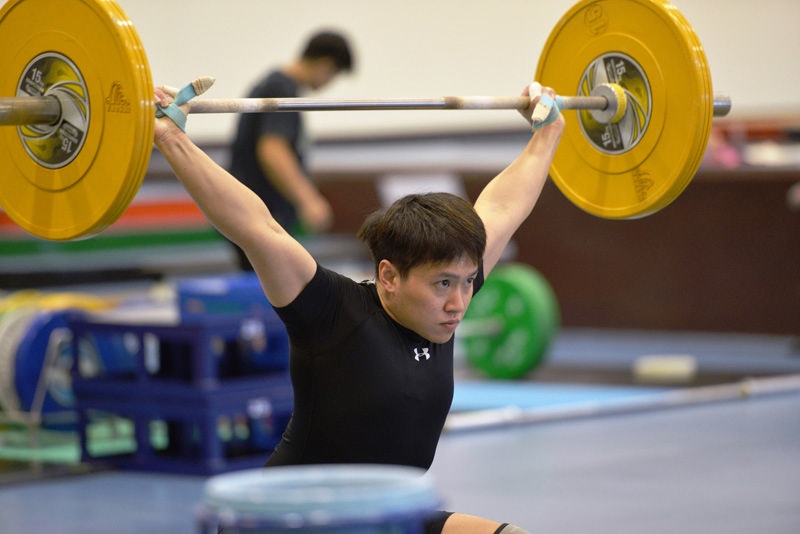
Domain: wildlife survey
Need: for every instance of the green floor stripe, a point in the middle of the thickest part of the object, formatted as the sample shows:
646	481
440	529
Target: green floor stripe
106	438
110	242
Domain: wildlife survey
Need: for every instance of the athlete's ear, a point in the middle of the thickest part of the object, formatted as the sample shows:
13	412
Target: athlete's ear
388	276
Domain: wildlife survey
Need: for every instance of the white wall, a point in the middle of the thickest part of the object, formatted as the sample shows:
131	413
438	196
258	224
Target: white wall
440	47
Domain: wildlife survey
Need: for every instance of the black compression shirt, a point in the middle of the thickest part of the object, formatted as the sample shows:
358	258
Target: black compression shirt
367	390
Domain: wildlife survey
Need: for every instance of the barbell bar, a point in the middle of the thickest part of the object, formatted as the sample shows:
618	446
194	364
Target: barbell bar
29	110
47	109
83	110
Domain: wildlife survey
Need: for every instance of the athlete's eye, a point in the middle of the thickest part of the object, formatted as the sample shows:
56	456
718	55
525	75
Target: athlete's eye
444	283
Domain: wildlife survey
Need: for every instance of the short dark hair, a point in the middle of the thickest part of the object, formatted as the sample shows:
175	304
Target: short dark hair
424	228
332	45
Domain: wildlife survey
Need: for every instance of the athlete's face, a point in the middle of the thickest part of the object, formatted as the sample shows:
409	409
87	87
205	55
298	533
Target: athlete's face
431	299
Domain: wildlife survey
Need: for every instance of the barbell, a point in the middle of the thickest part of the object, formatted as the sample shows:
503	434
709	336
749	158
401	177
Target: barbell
80	123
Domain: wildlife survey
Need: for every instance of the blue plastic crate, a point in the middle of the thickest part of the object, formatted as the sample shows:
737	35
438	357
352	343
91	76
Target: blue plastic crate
183	429
218	369
207	350
235	294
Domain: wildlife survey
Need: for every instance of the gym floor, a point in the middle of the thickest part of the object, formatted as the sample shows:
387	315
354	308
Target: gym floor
729	465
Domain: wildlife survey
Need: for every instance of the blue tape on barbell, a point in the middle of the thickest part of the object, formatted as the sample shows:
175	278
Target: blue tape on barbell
173	111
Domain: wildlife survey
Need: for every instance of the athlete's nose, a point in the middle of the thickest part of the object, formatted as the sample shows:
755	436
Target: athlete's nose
457	302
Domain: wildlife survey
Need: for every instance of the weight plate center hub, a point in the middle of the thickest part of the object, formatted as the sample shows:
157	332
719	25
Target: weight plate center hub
623	70
55	146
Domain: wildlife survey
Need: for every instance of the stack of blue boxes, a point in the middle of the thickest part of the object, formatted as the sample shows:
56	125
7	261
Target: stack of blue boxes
207	394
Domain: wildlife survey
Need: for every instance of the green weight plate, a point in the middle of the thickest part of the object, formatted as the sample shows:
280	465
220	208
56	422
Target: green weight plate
520	299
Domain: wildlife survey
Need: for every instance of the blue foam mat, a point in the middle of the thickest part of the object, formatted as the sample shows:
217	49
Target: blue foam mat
487	395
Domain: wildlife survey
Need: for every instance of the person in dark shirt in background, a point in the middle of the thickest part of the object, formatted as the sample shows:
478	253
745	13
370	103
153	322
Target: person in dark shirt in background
269	152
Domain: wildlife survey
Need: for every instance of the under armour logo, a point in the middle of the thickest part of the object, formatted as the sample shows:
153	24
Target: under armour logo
417	354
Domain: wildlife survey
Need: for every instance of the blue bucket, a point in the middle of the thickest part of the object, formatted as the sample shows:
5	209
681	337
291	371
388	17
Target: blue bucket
356	499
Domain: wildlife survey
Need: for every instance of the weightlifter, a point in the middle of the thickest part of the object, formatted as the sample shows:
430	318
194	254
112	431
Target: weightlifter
372	362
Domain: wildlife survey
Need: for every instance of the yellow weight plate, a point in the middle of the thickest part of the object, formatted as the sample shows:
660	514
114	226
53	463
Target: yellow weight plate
75	178
706	82
701	150
641	164
146	87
